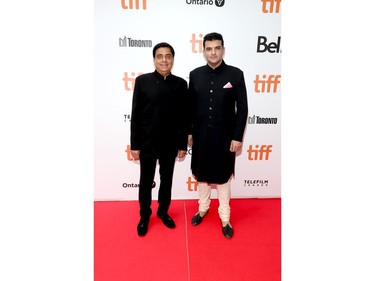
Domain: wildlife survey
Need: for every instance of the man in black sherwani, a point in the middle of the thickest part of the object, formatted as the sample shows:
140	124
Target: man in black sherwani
159	132
219	107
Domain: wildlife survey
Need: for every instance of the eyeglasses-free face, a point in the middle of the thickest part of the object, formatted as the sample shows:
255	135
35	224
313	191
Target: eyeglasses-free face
213	52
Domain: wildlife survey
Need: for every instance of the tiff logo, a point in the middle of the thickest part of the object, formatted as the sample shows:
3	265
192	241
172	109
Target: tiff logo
264	85
196	44
272	4
129	81
128	154
131	4
192	185
257	153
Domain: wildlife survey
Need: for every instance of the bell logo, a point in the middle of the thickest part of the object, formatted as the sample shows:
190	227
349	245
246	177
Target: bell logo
271	47
257	153
129	4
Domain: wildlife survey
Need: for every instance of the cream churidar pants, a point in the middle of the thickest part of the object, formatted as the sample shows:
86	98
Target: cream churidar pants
223	194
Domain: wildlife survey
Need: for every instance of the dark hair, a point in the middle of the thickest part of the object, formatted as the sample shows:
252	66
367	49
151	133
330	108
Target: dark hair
162	45
211	37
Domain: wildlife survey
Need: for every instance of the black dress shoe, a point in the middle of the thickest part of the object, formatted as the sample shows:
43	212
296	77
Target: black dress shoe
197	219
228	231
142	227
167	220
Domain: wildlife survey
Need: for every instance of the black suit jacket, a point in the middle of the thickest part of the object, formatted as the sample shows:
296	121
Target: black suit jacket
159	113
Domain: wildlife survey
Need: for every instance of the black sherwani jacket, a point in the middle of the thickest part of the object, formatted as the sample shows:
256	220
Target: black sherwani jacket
219	115
159	118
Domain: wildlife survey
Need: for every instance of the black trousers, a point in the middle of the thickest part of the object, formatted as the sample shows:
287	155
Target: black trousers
148	161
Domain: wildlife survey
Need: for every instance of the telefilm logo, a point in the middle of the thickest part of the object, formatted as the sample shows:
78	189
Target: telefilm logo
127	118
264	45
253	183
134	43
266	84
257	120
134	4
271	6
218	3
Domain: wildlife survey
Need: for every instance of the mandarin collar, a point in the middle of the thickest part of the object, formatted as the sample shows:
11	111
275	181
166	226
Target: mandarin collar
217	69
158	75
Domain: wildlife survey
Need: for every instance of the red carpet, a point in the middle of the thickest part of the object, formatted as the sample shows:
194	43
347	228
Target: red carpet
188	253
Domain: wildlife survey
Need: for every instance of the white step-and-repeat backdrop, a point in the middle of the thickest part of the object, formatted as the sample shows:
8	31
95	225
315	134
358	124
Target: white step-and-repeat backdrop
125	33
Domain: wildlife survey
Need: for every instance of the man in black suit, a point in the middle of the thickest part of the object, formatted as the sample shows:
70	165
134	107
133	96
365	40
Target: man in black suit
159	132
219	107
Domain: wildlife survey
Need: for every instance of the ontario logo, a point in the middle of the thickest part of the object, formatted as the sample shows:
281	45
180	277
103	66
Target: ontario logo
135	185
130	185
218	3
